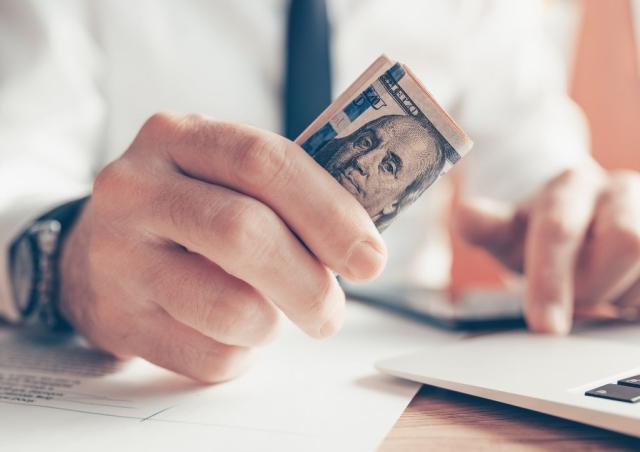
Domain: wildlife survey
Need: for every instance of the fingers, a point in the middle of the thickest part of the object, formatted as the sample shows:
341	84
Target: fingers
250	242
612	260
493	226
628	304
174	346
559	221
201	295
267	167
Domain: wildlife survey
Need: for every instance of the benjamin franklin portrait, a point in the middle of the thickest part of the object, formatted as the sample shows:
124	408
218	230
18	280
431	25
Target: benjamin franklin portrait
386	164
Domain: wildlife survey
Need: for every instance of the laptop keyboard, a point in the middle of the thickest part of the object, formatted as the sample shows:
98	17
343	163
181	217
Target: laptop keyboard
627	390
632	381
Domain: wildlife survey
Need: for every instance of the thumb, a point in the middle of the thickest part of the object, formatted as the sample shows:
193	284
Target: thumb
497	227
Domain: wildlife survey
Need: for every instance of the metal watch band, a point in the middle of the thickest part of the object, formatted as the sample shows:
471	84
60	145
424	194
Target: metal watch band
47	234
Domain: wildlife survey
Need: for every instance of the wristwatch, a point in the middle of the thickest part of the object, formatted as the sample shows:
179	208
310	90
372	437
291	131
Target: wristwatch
33	266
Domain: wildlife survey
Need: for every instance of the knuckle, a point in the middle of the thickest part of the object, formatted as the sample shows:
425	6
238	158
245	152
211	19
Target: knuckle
195	221
245	224
155	137
108	180
260	160
192	120
566	176
197	130
159	124
213	321
257	316
249	321
571	179
211	317
114	180
225	363
118	188
558	228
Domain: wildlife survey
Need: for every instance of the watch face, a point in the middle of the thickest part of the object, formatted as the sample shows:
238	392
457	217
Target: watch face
22	274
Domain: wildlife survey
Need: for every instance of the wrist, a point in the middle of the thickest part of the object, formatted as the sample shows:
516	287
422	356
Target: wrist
35	264
73	267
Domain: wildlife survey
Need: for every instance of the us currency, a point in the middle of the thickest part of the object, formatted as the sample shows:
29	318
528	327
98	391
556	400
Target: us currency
385	140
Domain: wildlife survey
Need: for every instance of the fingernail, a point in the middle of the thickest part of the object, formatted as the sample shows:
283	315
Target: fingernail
557	319
365	261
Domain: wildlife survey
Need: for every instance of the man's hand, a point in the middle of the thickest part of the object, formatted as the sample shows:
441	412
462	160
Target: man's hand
577	242
199	235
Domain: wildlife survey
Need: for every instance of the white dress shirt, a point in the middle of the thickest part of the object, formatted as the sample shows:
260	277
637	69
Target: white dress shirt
78	79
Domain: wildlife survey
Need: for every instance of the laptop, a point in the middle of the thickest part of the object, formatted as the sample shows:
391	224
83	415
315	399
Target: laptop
463	311
594	381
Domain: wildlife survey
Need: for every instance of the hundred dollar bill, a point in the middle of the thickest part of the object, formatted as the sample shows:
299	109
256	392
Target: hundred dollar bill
385	139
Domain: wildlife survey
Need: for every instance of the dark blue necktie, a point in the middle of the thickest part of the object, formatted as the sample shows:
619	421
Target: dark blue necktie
307	87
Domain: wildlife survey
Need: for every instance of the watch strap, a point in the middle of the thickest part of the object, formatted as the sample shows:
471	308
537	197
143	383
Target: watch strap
65	213
45	292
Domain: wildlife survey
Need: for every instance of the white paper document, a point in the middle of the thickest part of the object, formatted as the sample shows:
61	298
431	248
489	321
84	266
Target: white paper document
301	395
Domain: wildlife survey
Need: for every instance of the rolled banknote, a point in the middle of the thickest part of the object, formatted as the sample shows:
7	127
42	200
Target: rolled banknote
385	139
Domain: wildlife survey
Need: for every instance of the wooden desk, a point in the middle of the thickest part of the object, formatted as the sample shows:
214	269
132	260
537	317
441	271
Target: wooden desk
438	419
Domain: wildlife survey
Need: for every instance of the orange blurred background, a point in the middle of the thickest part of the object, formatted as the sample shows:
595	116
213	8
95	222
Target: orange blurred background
605	83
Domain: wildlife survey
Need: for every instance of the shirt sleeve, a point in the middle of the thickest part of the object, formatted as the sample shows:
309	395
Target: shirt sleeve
51	116
516	106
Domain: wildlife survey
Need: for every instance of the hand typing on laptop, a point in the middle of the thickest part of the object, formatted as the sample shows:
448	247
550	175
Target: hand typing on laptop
577	242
